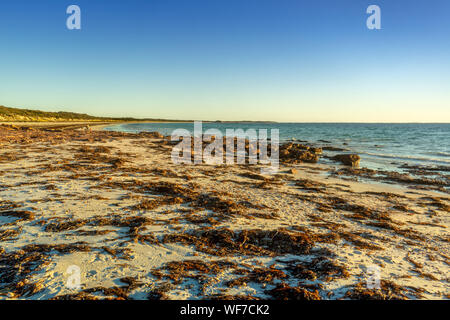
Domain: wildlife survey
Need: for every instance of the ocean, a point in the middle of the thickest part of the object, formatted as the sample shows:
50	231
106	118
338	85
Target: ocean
382	146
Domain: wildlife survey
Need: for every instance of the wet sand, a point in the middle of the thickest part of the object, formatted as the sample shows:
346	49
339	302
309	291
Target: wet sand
141	227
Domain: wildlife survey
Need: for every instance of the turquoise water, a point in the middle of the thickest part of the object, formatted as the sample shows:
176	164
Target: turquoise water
381	146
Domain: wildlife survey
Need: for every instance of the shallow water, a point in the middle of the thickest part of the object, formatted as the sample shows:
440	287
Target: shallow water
380	145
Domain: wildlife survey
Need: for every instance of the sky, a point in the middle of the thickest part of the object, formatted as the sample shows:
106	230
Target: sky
270	60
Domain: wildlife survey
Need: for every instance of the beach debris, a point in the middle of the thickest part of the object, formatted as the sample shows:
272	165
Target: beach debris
286	292
388	291
263	276
223	241
111	293
17	267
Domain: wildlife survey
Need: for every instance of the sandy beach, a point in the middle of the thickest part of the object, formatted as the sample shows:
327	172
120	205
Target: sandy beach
141	227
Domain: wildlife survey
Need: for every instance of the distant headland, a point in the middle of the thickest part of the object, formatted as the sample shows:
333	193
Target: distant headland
27	115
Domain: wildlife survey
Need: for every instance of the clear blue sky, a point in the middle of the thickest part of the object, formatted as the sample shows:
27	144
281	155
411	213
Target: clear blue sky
282	60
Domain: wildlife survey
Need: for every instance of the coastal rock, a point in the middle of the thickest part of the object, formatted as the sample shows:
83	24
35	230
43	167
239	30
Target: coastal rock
152	135
309	157
298	153
348	159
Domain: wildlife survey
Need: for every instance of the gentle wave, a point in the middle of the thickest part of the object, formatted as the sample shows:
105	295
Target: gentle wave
439	154
405	157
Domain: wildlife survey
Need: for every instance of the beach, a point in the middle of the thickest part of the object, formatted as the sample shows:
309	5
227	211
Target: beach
139	226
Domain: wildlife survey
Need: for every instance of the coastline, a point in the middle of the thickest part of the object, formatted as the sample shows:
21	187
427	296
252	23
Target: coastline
73	124
141	227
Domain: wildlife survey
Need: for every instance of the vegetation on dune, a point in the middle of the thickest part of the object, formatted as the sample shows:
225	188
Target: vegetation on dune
25	115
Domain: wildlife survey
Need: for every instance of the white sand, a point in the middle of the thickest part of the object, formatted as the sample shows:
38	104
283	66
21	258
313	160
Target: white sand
102	269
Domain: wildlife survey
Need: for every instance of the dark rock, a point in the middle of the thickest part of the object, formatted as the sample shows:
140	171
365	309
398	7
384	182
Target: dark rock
298	153
348	159
152	135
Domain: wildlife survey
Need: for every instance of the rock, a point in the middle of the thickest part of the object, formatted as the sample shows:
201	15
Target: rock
293	171
302	147
348	159
309	157
298	153
155	135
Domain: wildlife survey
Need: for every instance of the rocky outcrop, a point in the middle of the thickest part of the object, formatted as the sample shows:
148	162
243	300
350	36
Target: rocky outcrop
348	159
152	135
298	153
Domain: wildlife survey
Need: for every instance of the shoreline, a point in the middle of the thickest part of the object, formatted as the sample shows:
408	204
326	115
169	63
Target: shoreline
73	124
377	156
142	227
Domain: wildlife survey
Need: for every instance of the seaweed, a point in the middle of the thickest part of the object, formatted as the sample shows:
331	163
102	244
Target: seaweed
388	291
223	241
17	267
256	275
286	292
